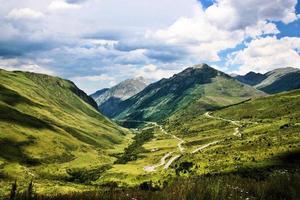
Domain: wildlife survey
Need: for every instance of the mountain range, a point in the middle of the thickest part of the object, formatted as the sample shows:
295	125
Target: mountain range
198	88
132	100
275	81
109	99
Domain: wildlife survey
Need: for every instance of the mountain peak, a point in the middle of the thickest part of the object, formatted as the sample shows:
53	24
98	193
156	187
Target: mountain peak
251	73
108	101
137	80
200	72
201	66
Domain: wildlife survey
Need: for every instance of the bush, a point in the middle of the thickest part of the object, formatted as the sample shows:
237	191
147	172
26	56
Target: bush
132	151
86	175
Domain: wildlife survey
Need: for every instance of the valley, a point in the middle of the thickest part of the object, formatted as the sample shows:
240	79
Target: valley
69	147
214	143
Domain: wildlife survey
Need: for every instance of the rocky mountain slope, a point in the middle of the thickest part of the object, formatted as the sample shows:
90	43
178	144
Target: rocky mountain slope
275	81
109	100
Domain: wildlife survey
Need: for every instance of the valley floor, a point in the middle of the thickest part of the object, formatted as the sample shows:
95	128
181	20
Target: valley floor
248	151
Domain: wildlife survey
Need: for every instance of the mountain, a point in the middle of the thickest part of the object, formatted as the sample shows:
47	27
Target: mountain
202	87
48	126
275	81
99	92
108	100
251	78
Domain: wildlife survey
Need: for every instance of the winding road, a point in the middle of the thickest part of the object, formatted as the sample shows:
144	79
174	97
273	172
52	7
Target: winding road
235	133
163	161
205	146
236	123
167	165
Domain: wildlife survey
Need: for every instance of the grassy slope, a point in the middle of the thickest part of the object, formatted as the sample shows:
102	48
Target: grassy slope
48	125
219	93
270	130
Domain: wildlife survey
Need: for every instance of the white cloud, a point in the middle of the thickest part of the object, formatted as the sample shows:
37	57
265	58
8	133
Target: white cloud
152	72
198	37
237	14
100	42
265	54
90	84
62	5
205	40
261	28
13	64
24	13
102	77
134	56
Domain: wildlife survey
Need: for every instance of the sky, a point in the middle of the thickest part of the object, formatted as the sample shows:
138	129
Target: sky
98	43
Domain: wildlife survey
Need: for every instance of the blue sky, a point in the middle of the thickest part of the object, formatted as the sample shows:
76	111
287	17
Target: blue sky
98	43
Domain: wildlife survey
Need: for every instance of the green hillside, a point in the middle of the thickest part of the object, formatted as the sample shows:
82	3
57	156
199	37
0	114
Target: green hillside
48	127
255	135
253	145
208	87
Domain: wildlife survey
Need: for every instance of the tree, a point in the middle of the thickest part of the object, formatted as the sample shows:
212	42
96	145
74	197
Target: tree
29	192
13	191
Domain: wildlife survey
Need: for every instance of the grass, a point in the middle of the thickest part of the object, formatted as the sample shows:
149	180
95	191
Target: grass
48	128
132	172
131	152
276	185
266	134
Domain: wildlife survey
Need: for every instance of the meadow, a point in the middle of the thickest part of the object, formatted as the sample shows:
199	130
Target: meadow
248	150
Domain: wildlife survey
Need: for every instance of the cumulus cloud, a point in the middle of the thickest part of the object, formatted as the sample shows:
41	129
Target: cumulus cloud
265	54
205	40
236	14
261	28
152	72
24	13
81	38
